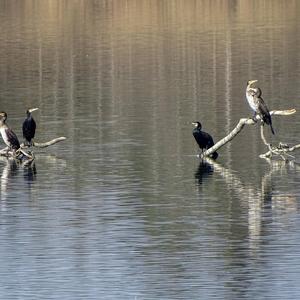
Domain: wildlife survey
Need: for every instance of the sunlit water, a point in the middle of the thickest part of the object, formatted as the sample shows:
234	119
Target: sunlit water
124	209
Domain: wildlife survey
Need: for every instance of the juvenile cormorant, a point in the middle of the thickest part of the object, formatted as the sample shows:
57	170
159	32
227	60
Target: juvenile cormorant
8	136
203	139
29	126
257	104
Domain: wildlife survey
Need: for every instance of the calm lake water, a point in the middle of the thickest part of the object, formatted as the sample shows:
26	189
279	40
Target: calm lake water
124	208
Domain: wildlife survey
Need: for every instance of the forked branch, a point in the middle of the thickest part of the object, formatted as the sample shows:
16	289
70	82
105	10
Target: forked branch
28	154
280	150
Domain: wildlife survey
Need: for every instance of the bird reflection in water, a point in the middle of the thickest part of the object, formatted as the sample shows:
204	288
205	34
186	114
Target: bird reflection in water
10	171
261	204
10	176
204	171
30	172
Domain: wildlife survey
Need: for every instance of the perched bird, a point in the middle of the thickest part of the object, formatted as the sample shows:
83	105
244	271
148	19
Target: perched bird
8	136
257	104
203	139
29	126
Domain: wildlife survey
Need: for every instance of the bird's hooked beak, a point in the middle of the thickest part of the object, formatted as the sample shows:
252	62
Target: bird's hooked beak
250	82
195	124
3	116
32	109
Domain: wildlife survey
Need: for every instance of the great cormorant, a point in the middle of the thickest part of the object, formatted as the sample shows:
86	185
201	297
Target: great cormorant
8	136
29	126
203	139
258	105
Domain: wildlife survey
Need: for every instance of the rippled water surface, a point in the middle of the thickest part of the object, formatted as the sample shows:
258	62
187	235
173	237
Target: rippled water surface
124	208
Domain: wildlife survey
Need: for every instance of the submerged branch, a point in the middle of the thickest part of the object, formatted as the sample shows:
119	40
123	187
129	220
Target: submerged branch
239	127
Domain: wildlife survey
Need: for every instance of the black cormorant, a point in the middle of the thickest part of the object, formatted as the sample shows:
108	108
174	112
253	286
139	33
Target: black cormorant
29	126
8	136
257	104
203	139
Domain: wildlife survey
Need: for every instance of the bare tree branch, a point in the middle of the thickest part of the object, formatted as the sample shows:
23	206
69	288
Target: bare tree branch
15	154
4	152
239	127
30	156
46	144
50	143
282	149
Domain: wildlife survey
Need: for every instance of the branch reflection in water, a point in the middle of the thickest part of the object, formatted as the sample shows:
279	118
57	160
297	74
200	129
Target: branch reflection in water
30	172
262	203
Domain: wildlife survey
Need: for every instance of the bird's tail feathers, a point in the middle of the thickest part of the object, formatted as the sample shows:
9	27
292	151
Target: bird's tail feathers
267	119
272	129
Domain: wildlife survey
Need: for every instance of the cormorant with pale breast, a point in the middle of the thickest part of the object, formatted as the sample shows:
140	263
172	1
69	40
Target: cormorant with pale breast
257	104
203	139
29	126
8	136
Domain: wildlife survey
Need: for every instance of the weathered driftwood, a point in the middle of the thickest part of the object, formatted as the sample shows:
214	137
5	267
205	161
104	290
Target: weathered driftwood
46	144
6	152
28	154
281	149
